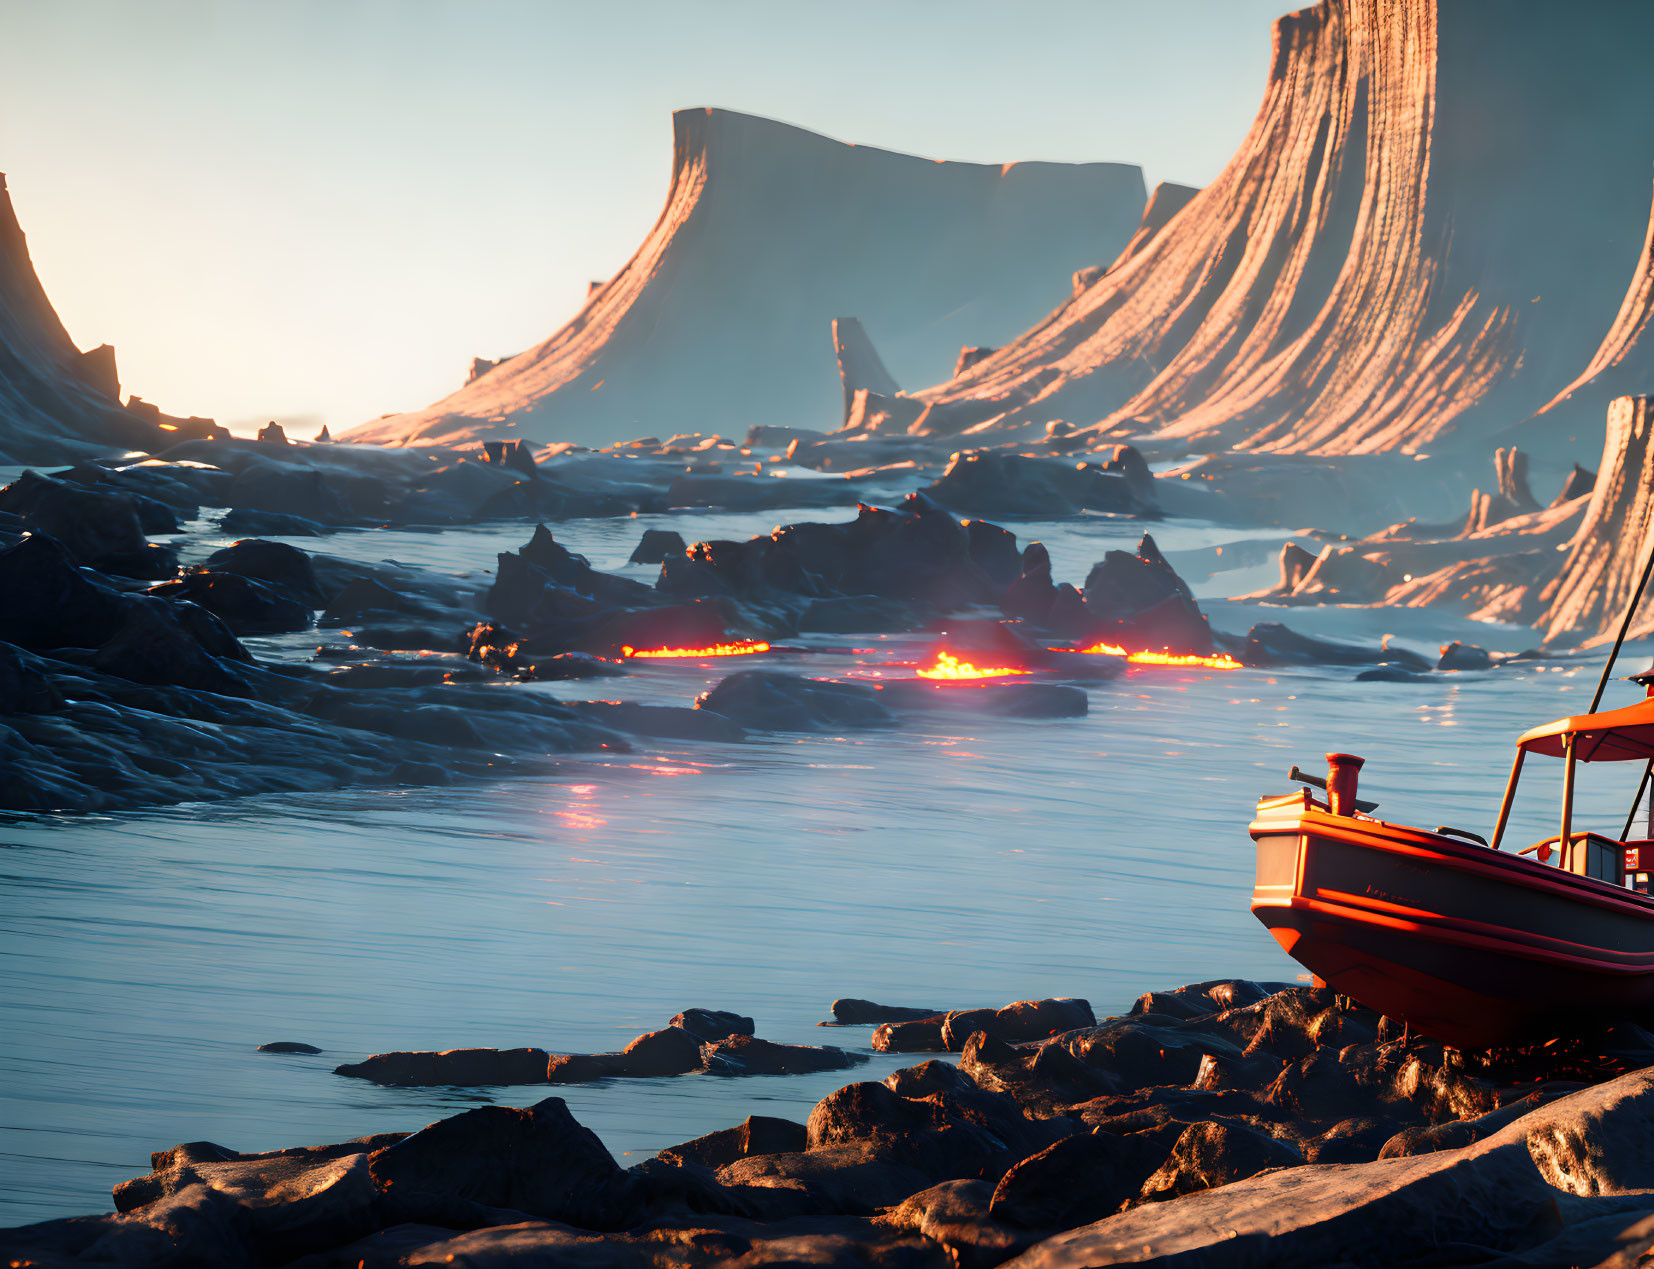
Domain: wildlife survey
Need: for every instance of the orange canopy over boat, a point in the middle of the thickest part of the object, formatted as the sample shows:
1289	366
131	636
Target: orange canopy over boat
1614	735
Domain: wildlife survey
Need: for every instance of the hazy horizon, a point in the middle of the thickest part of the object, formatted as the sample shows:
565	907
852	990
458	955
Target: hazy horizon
323	212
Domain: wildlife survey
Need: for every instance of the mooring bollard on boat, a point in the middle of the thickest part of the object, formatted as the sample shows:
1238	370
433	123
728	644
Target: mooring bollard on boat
1343	774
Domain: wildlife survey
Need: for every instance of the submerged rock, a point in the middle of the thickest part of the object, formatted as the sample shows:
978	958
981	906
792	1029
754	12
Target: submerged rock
850	1010
772	701
469	1067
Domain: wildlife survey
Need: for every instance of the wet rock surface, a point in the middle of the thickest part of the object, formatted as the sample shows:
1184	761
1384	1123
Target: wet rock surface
1220	1123
117	659
697	1040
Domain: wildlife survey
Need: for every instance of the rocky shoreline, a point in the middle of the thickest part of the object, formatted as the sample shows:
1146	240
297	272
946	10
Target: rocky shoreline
1221	1123
125	681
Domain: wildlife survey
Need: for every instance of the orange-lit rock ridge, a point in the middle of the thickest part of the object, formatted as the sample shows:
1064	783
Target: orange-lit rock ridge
1427	233
56	402
1605	557
722	319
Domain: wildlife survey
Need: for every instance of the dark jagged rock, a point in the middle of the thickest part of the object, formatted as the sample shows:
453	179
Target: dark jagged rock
748	1055
669	1051
246	606
1309	1122
955	1216
1015	1023
933	1076
850	1010
910	1035
757	1134
101	529
656	545
1074	1181
1392	674
470	1067
287	1203
538	1161
1030	595
23	689
1139	601
712	1025
995	483
565	568
772	701
1464	656
176	644
1270	643
274	563
1212	1154
272	433
244	520
916	554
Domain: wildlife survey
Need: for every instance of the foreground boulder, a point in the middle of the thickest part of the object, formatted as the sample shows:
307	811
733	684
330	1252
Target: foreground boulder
98	528
1219	1123
538	1161
1017	1023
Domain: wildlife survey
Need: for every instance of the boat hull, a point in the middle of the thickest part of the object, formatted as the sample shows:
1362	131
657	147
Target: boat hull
1473	946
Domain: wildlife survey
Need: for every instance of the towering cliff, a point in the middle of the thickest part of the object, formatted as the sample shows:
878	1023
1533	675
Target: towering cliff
1424	238
1622	365
1587	598
723	317
56	403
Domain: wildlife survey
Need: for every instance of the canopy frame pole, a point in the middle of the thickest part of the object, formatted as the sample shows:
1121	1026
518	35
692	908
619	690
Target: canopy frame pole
1510	797
1625	626
1642	787
1566	838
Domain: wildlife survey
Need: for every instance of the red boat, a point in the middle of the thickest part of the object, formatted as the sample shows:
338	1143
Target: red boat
1474	945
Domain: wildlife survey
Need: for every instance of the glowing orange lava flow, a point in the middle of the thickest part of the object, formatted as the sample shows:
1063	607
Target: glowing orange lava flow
1219	661
951	667
744	647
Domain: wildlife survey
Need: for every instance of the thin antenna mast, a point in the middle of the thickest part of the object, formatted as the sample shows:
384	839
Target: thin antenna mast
1625	626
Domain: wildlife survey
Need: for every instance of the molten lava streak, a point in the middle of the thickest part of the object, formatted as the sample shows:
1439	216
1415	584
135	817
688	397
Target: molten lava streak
741	648
1218	661
952	668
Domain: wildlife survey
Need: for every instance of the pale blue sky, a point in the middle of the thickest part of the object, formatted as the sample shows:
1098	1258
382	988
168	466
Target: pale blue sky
327	207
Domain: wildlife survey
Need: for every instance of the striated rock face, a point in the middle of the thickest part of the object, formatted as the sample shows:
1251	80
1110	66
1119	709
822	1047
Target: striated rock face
722	319
57	404
1427	231
1605	559
1622	364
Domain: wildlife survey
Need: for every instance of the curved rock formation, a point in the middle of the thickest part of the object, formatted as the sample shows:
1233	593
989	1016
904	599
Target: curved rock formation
1622	365
57	404
721	321
1605	559
1426	232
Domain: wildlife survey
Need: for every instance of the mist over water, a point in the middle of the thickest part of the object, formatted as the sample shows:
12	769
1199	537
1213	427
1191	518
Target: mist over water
956	862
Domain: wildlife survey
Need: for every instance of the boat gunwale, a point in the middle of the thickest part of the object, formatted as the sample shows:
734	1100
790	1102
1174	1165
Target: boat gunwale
1459	855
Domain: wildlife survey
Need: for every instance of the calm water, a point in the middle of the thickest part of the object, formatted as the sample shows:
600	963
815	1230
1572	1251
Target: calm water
959	863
